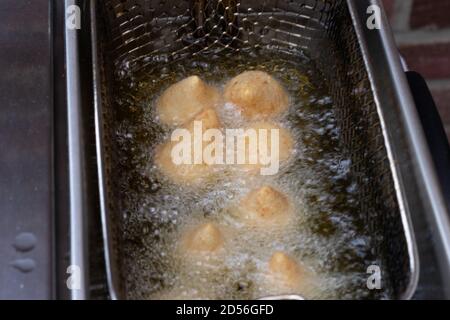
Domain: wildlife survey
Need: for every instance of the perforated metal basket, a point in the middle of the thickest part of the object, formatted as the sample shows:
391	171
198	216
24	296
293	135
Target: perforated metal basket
366	87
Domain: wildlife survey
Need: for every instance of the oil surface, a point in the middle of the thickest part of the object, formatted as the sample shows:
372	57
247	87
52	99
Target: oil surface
326	235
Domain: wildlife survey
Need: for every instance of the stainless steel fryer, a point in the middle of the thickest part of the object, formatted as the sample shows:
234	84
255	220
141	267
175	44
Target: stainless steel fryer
379	126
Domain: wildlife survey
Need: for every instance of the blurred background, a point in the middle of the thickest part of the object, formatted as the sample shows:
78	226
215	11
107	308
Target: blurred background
422	31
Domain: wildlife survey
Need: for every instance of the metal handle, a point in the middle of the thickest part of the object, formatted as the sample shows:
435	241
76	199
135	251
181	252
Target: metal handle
433	127
437	141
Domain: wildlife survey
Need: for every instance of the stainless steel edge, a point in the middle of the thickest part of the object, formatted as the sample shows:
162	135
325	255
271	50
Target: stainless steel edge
440	213
78	232
360	28
111	278
420	154
409	112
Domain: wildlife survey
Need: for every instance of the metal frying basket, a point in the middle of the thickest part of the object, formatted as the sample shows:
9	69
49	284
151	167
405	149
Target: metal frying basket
140	33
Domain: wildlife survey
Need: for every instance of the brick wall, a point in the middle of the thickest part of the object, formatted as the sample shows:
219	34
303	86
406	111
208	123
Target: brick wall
422	31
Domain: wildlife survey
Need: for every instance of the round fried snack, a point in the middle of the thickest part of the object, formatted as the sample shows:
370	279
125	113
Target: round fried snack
209	120
206	238
188	174
286	276
185	174
257	95
183	100
265	207
284	269
254	150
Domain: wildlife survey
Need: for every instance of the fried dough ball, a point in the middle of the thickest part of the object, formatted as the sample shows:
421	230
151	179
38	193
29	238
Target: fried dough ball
183	100
265	206
209	120
285	146
257	95
287	276
284	275
285	269
286	141
206	238
188	174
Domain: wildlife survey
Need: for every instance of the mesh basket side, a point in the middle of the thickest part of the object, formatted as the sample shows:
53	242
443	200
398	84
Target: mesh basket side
144	33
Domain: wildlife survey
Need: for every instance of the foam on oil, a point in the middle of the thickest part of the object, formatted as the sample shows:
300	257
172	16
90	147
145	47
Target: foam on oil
326	234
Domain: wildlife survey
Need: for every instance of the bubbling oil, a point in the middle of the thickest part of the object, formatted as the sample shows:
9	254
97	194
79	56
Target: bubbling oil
325	234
